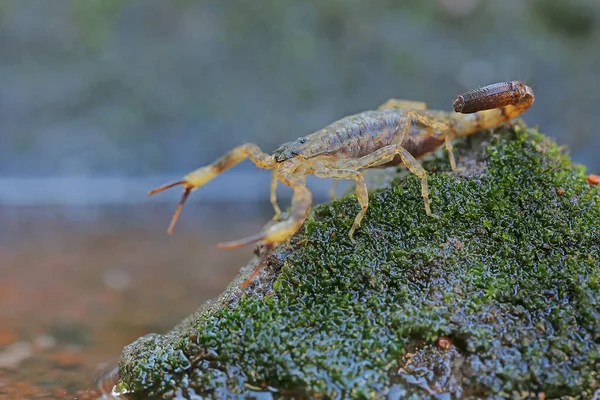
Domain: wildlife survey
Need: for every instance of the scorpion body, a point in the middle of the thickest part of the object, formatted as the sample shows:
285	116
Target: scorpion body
398	132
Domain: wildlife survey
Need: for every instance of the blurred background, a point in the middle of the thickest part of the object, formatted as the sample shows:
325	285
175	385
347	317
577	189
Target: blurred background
101	100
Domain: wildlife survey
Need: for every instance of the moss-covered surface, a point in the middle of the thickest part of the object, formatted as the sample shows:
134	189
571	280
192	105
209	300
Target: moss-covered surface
509	272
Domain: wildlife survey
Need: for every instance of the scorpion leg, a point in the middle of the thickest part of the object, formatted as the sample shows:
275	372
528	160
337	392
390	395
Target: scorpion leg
283	230
403	104
362	195
413	166
348	170
387	154
261	260
201	176
440	127
449	149
334	186
274	181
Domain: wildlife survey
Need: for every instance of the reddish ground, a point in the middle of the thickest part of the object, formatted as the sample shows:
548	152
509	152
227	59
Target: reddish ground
75	290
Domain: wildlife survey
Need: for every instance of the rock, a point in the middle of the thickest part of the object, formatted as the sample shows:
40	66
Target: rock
497	297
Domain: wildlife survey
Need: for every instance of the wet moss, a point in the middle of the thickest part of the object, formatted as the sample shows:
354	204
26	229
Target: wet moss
509	271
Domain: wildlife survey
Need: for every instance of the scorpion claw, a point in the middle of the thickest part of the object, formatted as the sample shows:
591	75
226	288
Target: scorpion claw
186	193
242	242
187	189
165	187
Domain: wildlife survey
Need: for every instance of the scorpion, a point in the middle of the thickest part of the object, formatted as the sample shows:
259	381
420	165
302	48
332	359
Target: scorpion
397	132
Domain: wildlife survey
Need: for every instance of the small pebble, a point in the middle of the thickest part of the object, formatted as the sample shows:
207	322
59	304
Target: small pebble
593	179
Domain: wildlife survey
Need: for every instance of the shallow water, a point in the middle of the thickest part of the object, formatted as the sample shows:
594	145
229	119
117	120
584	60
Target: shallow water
79	283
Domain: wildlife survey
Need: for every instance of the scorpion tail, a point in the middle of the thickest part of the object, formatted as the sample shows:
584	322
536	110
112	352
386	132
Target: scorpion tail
490	106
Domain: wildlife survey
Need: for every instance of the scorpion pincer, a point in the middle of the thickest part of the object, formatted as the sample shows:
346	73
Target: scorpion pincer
399	131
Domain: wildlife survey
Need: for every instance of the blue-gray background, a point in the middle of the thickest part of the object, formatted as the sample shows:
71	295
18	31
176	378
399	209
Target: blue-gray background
100	100
130	89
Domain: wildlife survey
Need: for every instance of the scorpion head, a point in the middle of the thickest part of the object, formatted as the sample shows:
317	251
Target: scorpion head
289	150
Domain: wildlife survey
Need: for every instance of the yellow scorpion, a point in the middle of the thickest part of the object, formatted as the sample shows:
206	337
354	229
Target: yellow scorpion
399	131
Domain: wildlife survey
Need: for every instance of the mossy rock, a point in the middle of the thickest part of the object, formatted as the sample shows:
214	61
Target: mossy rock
497	297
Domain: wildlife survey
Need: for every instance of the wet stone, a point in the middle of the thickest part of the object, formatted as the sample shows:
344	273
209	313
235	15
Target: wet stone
498	297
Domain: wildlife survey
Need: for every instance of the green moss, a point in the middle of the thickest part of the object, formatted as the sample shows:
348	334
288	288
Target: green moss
509	271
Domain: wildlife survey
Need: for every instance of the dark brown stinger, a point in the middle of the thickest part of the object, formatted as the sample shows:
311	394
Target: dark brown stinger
489	97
